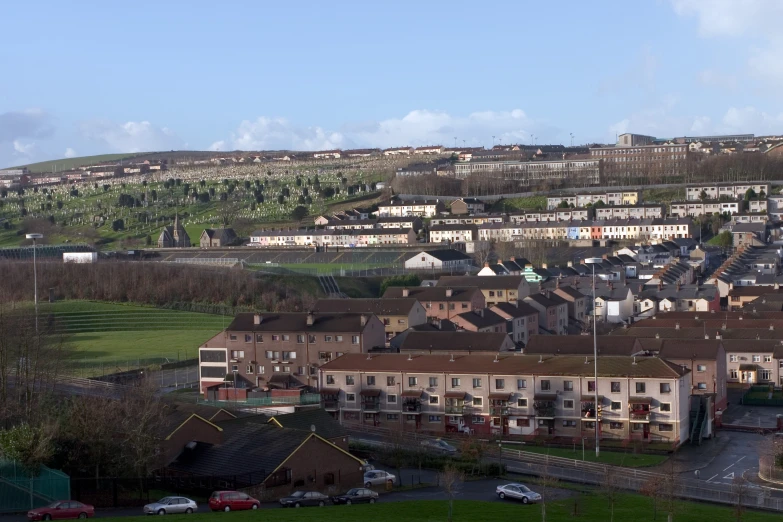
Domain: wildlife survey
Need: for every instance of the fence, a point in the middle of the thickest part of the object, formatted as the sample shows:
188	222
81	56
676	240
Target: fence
19	491
211	261
762	396
634	479
306	398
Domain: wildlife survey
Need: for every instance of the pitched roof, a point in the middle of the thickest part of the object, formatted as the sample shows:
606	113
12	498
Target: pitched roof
514	310
484	319
377	306
456	341
446	254
297	322
678	349
501	364
580	345
434	293
484	282
304	420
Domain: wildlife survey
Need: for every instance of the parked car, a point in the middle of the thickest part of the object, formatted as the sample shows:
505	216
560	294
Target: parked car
518	492
356	496
378	478
61	510
232	501
171	505
304	498
439	445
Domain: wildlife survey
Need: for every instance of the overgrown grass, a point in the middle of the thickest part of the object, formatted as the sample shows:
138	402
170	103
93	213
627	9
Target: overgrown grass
614	458
528	203
587	508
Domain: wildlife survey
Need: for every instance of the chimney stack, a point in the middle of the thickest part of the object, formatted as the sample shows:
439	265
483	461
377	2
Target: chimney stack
363	320
405	292
257	319
449	292
310	319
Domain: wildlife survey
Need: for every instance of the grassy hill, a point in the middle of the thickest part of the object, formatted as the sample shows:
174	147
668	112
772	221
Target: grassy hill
72	163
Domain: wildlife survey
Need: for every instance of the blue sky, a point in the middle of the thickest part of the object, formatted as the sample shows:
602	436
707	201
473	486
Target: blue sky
91	77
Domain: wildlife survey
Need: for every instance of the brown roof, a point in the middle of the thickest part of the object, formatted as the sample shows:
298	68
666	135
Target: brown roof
297	322
500	396
699	333
330	391
514	310
710	322
569	291
608	366
753	291
381	306
581	345
455	395
434	293
370	393
677	349
483	282
744	313
449	341
751	346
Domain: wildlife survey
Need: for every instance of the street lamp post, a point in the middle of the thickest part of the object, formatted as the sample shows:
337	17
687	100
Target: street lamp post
594	261
35	238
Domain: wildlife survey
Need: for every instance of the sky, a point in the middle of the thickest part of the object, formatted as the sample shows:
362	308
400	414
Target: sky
95	77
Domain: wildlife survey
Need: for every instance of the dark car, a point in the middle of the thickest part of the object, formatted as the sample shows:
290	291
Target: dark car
61	510
304	498
232	501
356	496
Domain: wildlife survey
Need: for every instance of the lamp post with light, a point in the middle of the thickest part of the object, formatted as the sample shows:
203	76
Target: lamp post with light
592	261
35	238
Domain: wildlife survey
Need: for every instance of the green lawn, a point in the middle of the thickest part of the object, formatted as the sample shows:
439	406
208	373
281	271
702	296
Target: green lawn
591	508
112	337
70	163
528	203
614	458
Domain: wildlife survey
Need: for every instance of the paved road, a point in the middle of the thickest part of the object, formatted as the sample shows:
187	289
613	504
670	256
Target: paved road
740	456
473	490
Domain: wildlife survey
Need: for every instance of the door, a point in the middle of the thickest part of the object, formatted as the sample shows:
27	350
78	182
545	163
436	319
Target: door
646	431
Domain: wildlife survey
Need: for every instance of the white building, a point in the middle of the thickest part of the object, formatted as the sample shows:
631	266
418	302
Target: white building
445	260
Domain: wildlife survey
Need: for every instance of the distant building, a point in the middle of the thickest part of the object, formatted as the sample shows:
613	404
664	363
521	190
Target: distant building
174	236
217	237
445	259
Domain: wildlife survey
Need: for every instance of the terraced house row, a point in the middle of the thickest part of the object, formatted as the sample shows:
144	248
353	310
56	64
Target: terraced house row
640	398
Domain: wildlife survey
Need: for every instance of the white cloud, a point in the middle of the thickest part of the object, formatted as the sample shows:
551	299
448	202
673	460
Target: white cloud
70	153
131	136
758	20
417	128
713	78
747	119
24	149
27	123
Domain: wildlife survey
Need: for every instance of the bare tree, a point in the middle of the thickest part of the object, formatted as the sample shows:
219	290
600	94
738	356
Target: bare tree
610	487
740	487
142	424
398	446
670	488
653	488
548	482
451	480
228	211
90	431
482	250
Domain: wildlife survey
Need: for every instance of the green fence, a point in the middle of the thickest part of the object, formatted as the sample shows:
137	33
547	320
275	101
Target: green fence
307	398
762	395
19	491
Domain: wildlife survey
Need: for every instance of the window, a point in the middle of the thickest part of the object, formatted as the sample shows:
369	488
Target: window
441	307
413	381
330	379
328	338
354	339
391	399
325	356
767	358
433	382
477	382
615	425
522	423
455	382
350	397
733	374
521	384
765	375
400	321
522	403
392	416
338	338
640	387
701	368
434	418
568	385
665	406
288	356
500	384
232	337
410	418
569	424
590	386
300	339
478	419
616	406
756	358
665	427
389	381
237	354
433	399
478	401
545	385
286	338
349	380
259	338
250	369
371	380
615	387
464	306
386	321
275	337
666	387
568	404
311	339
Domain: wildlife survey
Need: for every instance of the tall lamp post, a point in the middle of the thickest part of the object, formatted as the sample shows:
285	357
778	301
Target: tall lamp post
35	238
592	261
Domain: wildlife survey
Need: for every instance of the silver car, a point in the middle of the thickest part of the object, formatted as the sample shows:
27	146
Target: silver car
439	445
378	478
518	492
171	505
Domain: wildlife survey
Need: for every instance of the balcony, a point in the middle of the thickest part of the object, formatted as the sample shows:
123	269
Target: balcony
640	415
455	409
411	406
371	406
330	404
545	409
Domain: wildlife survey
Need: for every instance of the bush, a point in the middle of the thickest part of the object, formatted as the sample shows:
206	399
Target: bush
400	280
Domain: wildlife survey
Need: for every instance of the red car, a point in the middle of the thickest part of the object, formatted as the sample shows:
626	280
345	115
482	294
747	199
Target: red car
232	501
61	510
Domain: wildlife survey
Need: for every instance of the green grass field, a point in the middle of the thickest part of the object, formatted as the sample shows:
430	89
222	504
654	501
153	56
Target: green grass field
72	163
106	336
591	507
614	458
511	204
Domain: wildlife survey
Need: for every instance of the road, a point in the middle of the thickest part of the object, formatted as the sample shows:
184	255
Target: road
740	457
473	490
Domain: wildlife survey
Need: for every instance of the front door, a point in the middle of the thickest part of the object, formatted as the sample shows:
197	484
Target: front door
646	431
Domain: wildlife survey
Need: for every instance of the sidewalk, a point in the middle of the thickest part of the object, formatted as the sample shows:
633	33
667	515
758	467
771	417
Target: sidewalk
692	458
